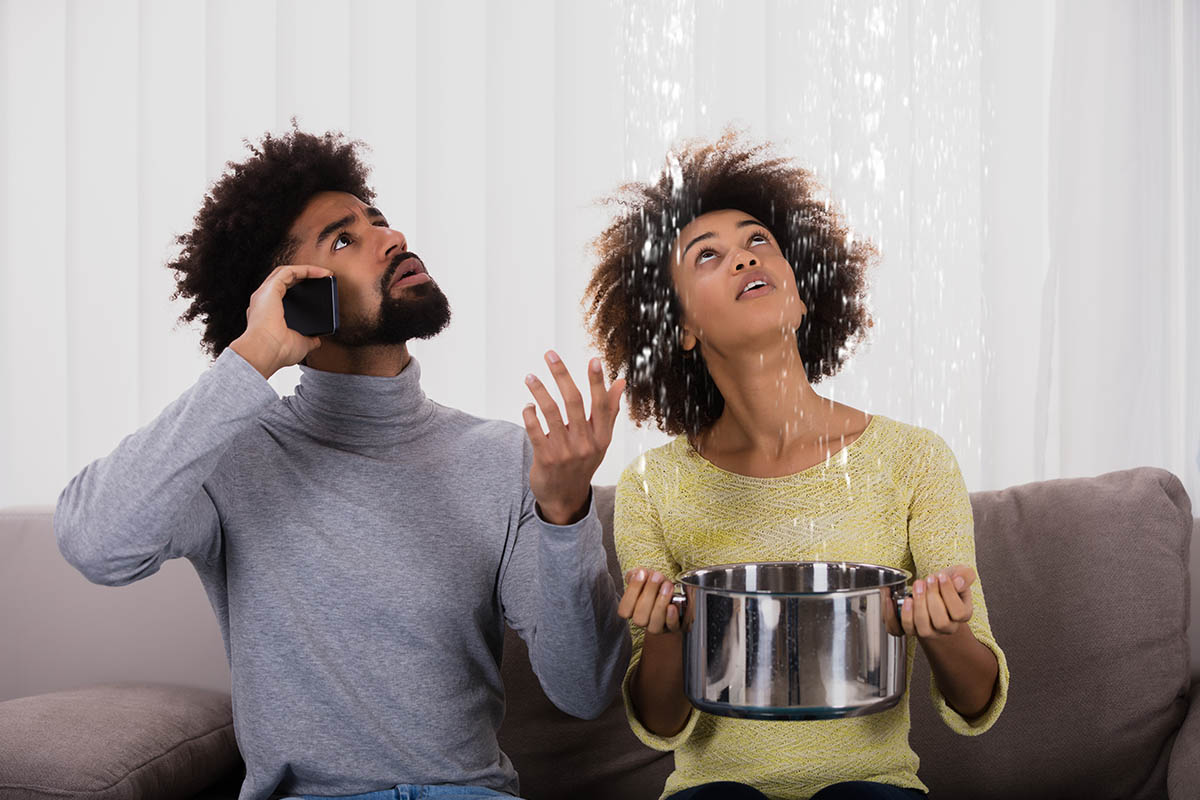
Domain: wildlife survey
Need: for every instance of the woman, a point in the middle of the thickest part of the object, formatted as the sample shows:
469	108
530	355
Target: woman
724	291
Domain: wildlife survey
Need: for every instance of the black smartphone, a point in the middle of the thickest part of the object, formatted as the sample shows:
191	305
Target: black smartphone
310	307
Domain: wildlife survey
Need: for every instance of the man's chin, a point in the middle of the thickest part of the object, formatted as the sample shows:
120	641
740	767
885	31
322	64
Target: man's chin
420	311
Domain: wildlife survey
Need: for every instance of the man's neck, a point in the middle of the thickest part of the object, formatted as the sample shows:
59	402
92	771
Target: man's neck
385	360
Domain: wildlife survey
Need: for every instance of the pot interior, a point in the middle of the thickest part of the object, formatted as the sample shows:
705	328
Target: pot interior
795	577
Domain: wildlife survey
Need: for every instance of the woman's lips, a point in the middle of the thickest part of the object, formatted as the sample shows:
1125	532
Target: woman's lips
759	292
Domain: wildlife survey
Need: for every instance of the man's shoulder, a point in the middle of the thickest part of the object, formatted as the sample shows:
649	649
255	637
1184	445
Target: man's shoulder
476	430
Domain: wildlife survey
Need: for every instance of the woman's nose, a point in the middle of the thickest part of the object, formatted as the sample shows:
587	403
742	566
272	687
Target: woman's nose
743	260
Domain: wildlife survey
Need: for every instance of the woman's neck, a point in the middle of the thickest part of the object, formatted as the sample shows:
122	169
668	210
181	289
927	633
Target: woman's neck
771	411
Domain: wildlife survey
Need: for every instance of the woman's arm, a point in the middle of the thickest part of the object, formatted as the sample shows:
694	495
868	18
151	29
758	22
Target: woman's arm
656	688
966	670
947	612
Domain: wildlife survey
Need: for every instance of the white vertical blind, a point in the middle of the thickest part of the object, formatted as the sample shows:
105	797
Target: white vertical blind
1027	170
35	424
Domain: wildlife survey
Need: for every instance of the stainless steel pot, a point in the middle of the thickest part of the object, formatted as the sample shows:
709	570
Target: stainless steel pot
792	640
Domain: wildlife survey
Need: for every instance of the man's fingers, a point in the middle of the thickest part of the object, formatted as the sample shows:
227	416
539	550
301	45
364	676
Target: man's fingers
288	275
572	399
533	427
599	393
612	406
545	402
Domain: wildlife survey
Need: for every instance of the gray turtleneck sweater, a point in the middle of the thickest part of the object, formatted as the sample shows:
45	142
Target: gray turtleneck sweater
362	547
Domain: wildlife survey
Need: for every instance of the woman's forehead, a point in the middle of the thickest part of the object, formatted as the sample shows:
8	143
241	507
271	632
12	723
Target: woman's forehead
711	223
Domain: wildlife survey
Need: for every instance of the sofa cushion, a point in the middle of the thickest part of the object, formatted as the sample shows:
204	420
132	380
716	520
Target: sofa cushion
1087	592
115	742
558	756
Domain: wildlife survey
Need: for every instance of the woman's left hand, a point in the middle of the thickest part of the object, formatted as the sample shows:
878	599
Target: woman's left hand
940	603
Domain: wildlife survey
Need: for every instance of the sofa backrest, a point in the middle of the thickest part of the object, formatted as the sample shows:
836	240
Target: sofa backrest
1087	591
61	632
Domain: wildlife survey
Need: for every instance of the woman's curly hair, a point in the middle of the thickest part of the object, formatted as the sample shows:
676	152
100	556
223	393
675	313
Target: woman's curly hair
632	307
241	231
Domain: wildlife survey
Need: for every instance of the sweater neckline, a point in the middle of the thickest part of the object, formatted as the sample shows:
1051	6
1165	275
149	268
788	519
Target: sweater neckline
362	409
840	456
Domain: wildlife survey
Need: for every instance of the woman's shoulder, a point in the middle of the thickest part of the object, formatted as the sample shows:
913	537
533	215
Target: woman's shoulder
672	458
891	432
913	449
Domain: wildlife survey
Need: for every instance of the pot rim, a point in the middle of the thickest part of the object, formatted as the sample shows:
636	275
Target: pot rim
688	579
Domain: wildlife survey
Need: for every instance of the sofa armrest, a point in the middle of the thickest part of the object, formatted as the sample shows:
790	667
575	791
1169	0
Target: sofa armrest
1183	770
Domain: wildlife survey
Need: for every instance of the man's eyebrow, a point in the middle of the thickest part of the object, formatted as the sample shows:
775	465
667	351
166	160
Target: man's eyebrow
710	235
372	211
333	226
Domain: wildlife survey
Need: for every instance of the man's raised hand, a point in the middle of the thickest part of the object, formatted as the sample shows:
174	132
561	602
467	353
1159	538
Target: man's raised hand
566	457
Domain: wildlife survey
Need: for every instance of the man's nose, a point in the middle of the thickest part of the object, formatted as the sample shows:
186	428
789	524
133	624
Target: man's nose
393	242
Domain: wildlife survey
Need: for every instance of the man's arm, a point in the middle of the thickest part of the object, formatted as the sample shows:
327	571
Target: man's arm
556	593
147	501
566	605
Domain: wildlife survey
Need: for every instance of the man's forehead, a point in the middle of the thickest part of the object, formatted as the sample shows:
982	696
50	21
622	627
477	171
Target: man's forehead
325	208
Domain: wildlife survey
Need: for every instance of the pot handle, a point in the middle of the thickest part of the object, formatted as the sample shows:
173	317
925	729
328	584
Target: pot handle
679	600
898	599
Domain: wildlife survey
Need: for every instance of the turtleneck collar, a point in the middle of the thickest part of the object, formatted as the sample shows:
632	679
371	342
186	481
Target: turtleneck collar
362	409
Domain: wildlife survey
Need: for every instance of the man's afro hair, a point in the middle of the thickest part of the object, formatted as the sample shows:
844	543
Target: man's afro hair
241	231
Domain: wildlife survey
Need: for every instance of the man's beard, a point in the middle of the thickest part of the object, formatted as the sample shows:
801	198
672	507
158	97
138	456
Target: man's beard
421	311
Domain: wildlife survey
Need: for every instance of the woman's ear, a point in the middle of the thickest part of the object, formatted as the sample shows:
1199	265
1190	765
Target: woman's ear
687	339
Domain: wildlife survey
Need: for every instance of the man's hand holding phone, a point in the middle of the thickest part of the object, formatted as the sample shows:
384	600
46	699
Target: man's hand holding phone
269	344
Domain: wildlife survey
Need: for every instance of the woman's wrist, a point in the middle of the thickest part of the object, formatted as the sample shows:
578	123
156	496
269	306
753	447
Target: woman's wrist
657	684
966	670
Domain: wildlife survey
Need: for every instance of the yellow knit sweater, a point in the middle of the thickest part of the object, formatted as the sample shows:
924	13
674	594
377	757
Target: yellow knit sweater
893	496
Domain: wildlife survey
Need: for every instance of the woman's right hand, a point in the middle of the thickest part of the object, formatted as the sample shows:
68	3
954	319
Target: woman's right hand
647	601
268	343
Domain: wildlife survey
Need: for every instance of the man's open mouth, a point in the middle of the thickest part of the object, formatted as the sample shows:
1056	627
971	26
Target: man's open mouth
410	272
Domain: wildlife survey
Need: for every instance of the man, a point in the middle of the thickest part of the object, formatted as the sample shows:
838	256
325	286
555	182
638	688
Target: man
361	545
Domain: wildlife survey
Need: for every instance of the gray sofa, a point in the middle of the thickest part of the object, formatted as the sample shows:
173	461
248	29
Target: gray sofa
1088	588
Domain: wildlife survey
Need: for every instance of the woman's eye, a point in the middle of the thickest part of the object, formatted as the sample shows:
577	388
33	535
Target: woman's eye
758	238
704	256
337	243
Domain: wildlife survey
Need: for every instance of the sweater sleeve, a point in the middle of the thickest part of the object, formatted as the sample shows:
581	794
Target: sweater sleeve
941	534
557	594
149	500
639	540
